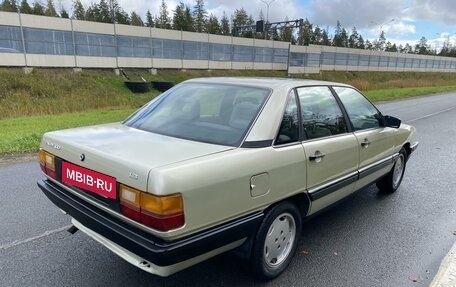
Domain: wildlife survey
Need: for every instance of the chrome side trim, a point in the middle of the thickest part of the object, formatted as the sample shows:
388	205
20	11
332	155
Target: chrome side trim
414	146
376	166
335	185
332	186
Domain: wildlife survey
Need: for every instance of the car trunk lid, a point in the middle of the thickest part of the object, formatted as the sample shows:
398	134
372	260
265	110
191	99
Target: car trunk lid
125	153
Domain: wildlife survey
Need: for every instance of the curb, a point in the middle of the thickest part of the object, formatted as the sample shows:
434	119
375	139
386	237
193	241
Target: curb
446	276
18	158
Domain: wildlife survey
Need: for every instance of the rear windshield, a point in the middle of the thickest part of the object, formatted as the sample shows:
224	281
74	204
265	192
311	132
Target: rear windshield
211	113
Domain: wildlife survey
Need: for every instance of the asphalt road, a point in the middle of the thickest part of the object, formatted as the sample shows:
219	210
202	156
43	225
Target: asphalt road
367	240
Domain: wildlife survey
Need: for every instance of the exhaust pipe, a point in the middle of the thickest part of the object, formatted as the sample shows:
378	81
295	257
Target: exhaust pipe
72	229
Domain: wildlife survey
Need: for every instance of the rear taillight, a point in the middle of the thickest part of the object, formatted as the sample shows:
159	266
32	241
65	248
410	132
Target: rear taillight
47	163
159	212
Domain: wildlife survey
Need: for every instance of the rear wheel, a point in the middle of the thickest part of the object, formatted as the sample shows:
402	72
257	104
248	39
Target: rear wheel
391	182
276	240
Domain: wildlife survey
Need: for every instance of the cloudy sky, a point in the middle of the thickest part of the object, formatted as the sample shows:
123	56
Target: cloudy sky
402	20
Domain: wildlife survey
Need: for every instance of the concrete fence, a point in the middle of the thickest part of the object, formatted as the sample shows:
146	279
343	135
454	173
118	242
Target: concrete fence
38	41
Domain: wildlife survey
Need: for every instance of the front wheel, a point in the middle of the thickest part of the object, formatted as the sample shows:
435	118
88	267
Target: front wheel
390	183
276	241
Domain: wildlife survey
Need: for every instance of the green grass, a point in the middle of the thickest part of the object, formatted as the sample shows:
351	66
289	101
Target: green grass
23	134
46	92
52	99
400	93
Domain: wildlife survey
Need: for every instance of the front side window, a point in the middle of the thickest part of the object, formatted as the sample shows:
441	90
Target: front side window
363	115
212	113
321	114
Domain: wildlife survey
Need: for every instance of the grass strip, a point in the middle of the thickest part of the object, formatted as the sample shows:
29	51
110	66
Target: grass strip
23	134
401	93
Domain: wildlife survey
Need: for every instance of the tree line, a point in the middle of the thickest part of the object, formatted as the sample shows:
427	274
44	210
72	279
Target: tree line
197	19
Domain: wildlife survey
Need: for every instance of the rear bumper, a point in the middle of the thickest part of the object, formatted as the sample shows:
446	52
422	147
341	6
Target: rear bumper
142	244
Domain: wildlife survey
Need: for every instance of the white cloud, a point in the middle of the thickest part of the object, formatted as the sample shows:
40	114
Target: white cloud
401	28
359	13
441	11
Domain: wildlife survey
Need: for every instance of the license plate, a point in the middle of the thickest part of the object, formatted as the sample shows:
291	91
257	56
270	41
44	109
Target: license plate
90	180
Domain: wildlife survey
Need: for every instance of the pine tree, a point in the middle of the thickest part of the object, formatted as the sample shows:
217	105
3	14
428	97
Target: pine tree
326	41
353	40
92	13
307	33
104	12
183	18
274	35
380	43
118	13
163	20
239	18
422	47
135	19
190	22
213	26
121	17
361	44
78	10
64	13
344	36
317	38
50	9
38	9
200	16
224	25
408	48
8	6
337	39
391	47
179	17
287	34
149	19
25	7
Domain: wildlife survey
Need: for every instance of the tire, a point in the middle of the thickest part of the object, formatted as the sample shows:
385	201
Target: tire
391	182
276	241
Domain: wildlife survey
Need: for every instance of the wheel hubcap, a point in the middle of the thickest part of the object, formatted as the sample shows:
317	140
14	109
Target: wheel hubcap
279	240
398	170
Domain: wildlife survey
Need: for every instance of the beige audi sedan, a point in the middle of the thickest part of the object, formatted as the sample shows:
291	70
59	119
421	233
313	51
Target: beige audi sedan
218	164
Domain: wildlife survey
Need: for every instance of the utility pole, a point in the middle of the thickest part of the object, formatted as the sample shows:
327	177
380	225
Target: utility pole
268	3
111	5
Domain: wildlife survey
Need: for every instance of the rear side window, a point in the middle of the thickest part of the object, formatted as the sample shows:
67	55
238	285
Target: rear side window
321	114
289	128
362	113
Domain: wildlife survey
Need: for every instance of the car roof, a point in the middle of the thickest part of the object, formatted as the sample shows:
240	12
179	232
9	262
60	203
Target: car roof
272	83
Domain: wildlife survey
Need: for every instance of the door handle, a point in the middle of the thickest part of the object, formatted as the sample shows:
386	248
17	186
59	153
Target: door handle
317	157
365	143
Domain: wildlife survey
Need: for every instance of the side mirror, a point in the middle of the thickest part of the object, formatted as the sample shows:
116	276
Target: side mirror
392	122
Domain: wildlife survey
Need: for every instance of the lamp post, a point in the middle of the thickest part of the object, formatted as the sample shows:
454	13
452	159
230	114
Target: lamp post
382	24
268	3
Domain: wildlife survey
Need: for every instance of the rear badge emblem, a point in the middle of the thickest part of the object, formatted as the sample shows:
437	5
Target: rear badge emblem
133	175
82	157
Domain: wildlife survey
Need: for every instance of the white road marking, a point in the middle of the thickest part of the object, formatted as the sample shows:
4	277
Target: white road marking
46	233
433	114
